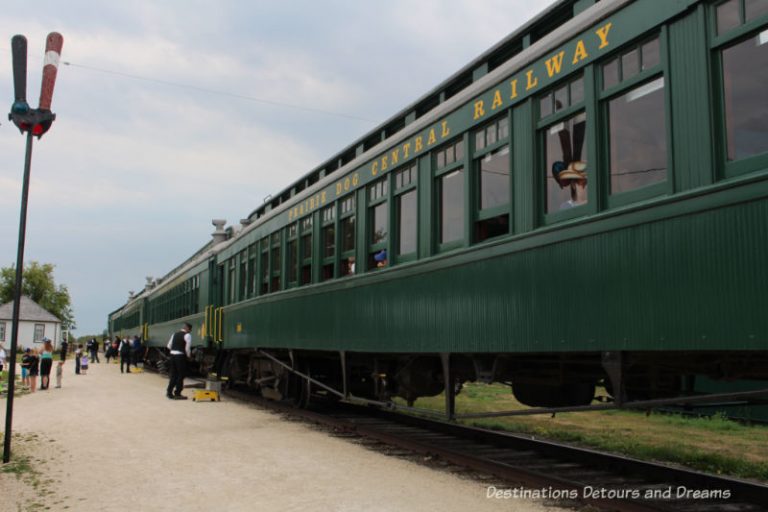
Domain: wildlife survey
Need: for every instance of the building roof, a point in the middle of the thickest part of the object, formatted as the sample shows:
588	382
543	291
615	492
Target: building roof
29	311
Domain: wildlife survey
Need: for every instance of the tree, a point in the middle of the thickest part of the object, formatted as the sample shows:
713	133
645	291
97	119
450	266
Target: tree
38	285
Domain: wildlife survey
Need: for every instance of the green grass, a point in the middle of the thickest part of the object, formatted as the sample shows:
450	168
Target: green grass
714	444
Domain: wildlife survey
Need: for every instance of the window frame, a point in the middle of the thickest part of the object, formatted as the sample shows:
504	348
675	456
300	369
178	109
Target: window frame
329	218
344	255
305	230
603	98
37	337
372	203
398	191
719	42
482	214
438	174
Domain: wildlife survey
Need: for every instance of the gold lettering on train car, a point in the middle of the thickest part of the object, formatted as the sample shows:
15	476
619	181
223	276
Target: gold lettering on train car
311	203
347	183
446	131
513	89
580	53
432	138
290	214
555	64
479	109
532	80
301	209
355	179
384	162
338	189
419	144
406	149
602	33
394	156
323	197
496	100
374	168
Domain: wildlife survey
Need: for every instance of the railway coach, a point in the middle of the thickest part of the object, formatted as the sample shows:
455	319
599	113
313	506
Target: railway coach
583	206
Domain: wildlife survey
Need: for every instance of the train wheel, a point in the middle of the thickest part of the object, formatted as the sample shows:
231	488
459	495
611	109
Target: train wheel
298	390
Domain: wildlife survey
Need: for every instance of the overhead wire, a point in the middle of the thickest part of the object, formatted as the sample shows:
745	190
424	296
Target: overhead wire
217	92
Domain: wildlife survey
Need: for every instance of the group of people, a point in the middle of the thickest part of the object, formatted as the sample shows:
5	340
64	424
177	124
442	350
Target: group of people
130	351
39	363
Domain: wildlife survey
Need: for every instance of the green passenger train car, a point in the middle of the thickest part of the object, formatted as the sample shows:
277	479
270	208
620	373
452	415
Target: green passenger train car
583	205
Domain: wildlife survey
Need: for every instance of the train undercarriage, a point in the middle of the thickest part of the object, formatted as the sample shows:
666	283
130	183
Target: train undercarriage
544	382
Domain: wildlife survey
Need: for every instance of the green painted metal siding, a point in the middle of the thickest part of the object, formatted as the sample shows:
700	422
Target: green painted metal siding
691	282
692	106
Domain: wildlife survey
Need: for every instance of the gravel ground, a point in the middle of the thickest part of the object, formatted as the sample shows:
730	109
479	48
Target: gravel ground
108	441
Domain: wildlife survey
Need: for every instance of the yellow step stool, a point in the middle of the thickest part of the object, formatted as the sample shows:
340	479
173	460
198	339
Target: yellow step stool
206	394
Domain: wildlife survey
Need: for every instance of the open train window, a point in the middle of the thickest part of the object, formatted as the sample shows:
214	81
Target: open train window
378	222
633	100
564	161
740	54
347	228
491	168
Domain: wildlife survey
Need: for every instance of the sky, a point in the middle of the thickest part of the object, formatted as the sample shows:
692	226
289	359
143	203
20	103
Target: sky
173	113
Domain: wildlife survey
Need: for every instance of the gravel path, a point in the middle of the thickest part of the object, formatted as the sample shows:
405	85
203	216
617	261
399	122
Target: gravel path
109	441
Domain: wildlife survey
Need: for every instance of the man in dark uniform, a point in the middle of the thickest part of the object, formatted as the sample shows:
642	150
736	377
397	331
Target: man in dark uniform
180	346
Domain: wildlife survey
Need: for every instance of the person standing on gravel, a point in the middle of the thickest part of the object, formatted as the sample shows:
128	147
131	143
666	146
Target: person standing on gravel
180	346
125	355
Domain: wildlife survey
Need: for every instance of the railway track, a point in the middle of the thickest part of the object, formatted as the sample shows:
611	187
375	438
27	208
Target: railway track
534	468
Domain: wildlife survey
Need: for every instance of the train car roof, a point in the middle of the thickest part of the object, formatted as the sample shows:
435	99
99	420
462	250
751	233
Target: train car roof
528	33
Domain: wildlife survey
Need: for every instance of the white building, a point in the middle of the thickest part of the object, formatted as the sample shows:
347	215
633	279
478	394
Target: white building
35	323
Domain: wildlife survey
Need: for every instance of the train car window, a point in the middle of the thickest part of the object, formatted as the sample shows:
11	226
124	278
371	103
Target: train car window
633	101
638	141
406	204
491	169
728	16
243	281
451	206
450	190
231	297
275	261
347	228
292	256
745	73
306	250
562	97
565	147
253	279
264	265
328	234
741	56
378	222
755	8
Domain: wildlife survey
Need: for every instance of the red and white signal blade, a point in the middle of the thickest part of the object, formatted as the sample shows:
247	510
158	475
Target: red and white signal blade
53	44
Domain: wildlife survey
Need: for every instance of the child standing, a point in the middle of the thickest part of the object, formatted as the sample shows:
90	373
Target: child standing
84	365
59	372
25	361
78	356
